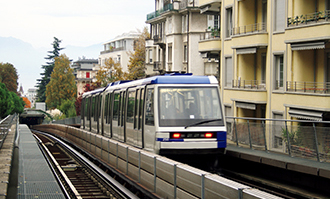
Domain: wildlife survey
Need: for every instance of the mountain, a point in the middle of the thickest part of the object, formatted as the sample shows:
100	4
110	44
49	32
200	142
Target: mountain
28	60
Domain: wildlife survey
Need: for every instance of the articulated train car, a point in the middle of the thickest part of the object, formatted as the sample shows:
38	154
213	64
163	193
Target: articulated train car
170	114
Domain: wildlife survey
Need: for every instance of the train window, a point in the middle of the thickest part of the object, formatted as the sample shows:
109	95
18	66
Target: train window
136	108
122	106
181	106
109	102
130	106
106	105
93	107
150	107
116	106
141	109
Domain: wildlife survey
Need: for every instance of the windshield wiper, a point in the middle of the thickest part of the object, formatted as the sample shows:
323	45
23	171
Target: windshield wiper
202	122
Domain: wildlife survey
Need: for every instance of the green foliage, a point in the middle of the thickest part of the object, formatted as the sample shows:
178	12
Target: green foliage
62	84
10	102
294	136
8	76
48	69
68	108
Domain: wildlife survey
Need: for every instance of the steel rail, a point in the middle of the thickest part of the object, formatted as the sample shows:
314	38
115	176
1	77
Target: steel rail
122	191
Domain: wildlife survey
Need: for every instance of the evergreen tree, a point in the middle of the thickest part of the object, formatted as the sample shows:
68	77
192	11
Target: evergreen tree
48	69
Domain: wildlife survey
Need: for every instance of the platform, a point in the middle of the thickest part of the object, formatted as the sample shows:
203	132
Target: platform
35	178
283	161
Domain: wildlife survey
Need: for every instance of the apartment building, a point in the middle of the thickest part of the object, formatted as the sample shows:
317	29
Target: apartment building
175	29
118	49
84	73
274	57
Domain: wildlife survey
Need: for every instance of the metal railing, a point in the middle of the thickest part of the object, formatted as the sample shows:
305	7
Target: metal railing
5	127
209	34
296	138
72	120
308	87
113	50
308	18
167	7
252	28
249	84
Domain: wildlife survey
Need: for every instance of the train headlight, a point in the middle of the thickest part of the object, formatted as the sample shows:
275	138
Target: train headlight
193	135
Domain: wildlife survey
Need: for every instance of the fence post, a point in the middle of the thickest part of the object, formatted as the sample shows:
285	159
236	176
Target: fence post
250	142
264	131
203	186
316	143
236	132
288	138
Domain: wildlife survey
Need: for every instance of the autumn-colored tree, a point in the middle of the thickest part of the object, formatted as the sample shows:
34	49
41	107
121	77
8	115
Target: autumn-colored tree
62	83
111	72
136	66
8	76
48	69
27	102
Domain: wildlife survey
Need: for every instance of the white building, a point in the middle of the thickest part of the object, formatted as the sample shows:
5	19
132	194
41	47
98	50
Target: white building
32	96
176	28
118	49
84	73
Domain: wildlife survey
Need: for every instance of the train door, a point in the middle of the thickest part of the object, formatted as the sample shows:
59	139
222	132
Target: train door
88	109
99	116
130	108
82	114
138	115
149	119
122	117
117	95
107	115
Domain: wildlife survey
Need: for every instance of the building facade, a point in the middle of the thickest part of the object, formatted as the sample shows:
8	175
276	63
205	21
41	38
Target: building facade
118	49
176	28
32	96
84	71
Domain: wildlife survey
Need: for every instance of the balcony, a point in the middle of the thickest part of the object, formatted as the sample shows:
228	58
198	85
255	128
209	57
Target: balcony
167	7
311	18
158	40
158	66
210	34
113	49
249	84
252	28
308	87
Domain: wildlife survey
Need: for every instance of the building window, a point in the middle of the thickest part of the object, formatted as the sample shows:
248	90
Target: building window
150	56
118	59
87	75
279	15
229	22
263	68
229	71
169	53
279	71
185	53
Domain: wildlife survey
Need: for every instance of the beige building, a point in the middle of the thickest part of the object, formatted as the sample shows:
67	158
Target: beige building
118	49
84	71
176	28
274	57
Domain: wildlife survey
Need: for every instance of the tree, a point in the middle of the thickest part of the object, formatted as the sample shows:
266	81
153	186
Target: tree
111	72
10	102
68	108
48	69
8	76
27	102
136	66
62	84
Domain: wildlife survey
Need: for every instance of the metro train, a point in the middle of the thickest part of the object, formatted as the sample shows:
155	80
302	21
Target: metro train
169	114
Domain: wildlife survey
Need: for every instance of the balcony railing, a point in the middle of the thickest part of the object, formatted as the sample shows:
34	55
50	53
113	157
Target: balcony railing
249	84
210	34
252	28
167	7
309	18
308	87
113	50
158	66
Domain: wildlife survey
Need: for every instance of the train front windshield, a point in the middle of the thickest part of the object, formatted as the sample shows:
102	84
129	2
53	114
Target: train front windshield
184	106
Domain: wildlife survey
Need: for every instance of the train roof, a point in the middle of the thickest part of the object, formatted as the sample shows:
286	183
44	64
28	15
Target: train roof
164	79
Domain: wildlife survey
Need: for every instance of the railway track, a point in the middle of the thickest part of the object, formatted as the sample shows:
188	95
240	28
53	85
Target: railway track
80	177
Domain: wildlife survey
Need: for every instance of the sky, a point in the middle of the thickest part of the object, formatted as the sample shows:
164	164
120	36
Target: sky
79	23
75	22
